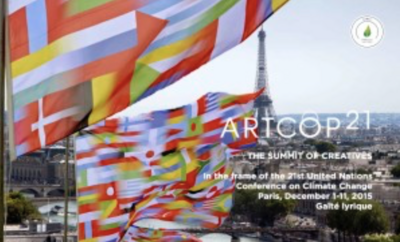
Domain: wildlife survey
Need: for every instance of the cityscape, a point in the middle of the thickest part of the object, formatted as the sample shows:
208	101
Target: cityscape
381	141
372	152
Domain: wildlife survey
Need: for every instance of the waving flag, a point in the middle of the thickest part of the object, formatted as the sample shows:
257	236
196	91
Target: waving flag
137	234
77	62
193	200
156	166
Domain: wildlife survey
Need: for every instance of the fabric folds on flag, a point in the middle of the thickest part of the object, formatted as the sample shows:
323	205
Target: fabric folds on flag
138	234
77	62
156	166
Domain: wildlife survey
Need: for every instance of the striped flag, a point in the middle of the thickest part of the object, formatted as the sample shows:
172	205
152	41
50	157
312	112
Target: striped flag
77	62
159	166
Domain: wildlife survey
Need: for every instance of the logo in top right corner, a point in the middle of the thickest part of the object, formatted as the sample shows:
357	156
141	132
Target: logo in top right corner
367	31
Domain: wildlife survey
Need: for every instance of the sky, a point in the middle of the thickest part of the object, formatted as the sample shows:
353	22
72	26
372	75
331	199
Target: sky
313	63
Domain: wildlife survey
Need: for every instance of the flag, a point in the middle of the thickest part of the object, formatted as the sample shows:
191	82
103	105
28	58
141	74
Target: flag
160	165
77	62
137	234
193	200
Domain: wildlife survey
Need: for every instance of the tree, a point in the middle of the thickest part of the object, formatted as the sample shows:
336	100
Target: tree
323	147
363	171
396	238
397	229
377	238
269	210
19	209
358	223
381	238
260	211
371	221
396	171
341	220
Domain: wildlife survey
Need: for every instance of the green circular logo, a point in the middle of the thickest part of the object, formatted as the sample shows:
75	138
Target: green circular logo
367	31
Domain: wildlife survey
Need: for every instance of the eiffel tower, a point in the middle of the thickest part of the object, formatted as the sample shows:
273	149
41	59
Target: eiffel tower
263	106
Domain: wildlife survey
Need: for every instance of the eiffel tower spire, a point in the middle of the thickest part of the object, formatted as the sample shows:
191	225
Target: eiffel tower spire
263	106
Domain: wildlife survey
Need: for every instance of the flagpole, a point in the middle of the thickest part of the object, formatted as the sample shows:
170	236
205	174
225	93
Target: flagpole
2	111
66	190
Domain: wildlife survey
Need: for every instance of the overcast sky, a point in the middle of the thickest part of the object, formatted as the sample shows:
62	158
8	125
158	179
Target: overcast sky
313	63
